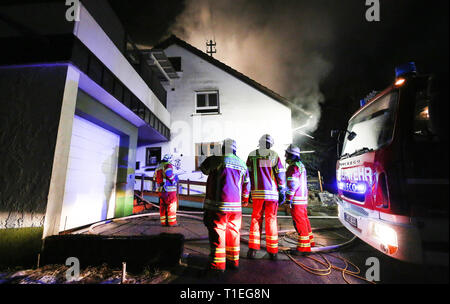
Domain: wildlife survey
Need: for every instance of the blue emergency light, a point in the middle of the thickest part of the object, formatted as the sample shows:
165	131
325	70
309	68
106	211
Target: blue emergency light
362	102
358	187
404	69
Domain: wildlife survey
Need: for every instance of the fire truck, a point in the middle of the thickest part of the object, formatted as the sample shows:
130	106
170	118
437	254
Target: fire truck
392	173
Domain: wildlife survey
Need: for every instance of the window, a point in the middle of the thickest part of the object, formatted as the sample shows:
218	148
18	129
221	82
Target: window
176	63
204	150
423	127
153	156
374	126
207	102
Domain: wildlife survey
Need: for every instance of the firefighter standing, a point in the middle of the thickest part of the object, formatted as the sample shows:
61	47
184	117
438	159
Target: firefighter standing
227	186
267	176
167	180
297	196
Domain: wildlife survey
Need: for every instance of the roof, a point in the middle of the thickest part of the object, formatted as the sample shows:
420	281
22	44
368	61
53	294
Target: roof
175	40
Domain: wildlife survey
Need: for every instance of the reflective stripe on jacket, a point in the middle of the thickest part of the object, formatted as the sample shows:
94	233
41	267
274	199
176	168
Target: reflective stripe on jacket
165	175
267	174
297	188
228	183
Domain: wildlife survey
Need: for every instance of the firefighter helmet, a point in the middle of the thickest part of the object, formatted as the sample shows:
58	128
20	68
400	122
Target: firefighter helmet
167	157
293	150
266	141
229	145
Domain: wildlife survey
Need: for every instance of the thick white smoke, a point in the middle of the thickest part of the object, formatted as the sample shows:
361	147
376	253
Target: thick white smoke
276	43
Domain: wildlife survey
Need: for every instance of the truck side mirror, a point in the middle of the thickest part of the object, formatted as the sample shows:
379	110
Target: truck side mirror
351	136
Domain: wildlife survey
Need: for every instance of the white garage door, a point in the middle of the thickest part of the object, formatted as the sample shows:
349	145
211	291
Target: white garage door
91	175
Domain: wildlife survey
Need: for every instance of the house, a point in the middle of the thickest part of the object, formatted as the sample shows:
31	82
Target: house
76	100
209	101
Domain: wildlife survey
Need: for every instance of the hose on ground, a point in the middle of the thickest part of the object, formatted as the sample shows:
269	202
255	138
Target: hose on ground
321	251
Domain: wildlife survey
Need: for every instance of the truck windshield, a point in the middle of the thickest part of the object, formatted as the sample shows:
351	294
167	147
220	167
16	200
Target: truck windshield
374	126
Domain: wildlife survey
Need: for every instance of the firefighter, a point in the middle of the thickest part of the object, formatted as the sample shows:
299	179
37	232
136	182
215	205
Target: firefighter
267	176
167	181
227	186
297	197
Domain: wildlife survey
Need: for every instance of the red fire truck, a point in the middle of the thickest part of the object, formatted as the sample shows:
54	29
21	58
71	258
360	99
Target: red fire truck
392	174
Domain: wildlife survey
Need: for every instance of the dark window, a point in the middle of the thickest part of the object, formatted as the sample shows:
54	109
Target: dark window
176	63
127	98
138	165
201	100
423	128
207	102
95	70
108	81
118	90
153	156
203	150
212	100
147	116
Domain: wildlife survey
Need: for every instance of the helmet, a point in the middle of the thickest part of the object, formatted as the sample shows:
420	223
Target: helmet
229	145
167	157
293	150
266	141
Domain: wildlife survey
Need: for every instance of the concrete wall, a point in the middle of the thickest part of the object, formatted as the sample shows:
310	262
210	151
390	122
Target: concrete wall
30	107
245	113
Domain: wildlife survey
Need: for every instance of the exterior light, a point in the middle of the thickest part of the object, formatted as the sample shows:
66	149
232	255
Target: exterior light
359	187
399	82
387	237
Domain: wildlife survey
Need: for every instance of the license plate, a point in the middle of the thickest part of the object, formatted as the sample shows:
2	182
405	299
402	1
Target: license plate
351	220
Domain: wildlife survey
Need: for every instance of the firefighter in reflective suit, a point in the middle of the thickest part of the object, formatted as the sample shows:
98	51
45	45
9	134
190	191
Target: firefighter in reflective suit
297	197
267	176
167	180
226	188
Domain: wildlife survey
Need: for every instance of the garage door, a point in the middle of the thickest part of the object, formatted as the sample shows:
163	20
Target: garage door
91	175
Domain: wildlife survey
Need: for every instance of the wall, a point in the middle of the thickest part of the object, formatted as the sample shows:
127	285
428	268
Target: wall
246	113
30	105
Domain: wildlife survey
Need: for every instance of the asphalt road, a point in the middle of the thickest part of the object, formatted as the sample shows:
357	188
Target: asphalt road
285	271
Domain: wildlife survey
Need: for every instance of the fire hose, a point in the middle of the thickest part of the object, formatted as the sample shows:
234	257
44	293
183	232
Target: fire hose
321	251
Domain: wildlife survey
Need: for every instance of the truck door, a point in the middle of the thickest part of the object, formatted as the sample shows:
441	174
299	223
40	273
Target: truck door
426	165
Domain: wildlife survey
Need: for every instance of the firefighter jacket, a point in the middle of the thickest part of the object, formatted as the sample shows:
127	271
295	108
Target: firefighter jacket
267	174
297	190
165	178
228	183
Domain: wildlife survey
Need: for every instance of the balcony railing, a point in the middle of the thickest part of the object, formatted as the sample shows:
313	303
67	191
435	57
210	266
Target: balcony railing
138	61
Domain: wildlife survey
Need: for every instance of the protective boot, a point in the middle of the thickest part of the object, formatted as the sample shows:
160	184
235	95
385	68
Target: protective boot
251	254
273	256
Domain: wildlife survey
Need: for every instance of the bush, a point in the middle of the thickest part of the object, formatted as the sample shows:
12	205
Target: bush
19	247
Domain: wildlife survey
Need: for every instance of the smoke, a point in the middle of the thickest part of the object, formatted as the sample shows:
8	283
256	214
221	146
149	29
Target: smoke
279	44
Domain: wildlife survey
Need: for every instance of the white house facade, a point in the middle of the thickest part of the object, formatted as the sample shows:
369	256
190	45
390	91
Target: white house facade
208	102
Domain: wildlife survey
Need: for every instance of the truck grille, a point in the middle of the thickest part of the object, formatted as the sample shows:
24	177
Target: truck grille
359	210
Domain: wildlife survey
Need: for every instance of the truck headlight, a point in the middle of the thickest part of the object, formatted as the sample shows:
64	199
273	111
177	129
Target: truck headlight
387	237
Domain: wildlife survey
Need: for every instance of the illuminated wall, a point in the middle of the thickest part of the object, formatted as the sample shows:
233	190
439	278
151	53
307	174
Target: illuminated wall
245	114
30	107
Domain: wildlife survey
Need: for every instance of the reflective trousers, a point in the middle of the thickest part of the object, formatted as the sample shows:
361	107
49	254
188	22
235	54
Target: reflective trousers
269	209
168	208
303	228
224	237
